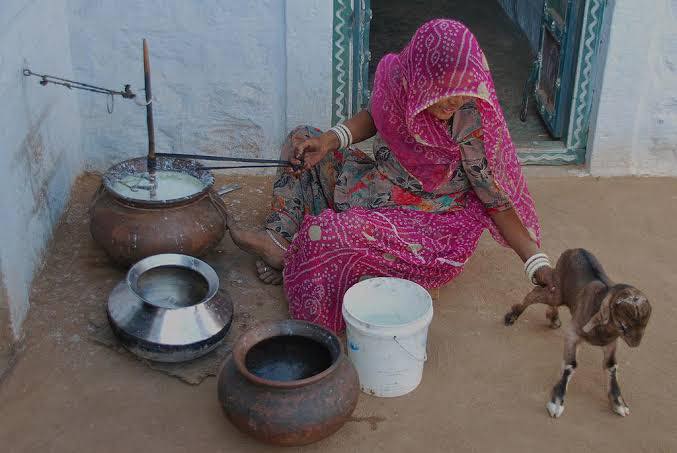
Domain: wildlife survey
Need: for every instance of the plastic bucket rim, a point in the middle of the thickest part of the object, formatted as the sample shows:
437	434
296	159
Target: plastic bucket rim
378	330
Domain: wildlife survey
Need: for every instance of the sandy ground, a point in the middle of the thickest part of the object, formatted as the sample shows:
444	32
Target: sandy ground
484	386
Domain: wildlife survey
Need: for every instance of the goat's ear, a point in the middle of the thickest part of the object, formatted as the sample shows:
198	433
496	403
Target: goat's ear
591	292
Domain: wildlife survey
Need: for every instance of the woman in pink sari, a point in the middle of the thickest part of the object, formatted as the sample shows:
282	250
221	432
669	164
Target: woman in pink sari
443	170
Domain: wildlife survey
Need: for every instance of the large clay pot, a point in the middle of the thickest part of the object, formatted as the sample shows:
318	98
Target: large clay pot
130	230
288	383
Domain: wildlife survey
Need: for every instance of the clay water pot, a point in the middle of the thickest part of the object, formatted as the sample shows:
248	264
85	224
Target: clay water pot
288	383
130	229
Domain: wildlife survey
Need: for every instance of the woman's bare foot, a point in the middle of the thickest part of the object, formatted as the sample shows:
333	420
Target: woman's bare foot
267	274
259	243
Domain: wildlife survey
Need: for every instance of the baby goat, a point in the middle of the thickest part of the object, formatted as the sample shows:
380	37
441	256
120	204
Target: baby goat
601	311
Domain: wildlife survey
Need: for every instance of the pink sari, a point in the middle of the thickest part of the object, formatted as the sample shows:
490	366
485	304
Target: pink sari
332	251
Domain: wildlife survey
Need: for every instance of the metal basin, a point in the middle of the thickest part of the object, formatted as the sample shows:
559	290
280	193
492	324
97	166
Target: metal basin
169	309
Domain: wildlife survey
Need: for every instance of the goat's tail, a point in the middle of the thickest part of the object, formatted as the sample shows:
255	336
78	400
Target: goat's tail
597	268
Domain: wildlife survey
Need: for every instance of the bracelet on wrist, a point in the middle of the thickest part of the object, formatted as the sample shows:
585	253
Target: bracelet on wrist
344	135
534	263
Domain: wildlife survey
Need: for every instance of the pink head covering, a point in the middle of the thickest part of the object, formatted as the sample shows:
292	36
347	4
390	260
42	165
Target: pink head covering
444	59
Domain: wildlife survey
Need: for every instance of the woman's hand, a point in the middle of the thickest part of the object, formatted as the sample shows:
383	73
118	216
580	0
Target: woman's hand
523	244
311	151
545	277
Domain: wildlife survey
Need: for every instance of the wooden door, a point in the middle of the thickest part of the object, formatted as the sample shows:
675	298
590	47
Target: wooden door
557	58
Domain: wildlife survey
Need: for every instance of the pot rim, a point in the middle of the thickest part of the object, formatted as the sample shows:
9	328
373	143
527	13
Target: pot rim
173	260
139	164
269	329
140	206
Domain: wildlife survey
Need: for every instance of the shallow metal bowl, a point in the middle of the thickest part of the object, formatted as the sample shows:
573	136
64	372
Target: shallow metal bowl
169	309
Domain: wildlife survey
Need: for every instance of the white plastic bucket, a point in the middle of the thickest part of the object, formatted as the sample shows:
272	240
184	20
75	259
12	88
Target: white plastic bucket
387	322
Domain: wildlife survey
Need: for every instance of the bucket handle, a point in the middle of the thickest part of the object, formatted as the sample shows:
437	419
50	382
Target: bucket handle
418	359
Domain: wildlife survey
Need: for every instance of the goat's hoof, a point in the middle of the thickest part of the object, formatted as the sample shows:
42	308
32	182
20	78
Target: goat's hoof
555	323
619	406
510	318
555	408
623	411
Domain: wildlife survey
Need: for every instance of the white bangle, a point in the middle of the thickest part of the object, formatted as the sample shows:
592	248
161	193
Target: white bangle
348	133
339	133
533	273
530	260
538	262
535	265
344	135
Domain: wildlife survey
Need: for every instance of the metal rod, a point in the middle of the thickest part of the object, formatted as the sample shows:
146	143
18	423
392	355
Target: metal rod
46	78
225	159
149	108
247	166
228	188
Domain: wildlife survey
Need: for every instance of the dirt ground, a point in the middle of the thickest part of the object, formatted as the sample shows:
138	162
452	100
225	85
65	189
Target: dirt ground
484	386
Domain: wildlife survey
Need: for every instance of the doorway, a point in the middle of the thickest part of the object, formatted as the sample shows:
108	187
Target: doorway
507	49
512	34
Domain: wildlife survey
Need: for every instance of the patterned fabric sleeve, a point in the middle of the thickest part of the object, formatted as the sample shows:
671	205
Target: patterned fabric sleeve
466	130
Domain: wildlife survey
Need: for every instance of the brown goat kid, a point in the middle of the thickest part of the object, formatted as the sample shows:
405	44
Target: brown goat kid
601	311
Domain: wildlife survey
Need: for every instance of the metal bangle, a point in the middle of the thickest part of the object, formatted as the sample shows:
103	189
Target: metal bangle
275	241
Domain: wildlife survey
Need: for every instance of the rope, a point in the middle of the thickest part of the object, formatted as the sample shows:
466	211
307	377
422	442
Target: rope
145	104
220	206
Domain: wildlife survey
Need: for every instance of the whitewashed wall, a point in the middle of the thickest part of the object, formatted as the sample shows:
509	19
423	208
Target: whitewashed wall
231	77
309	47
39	147
634	126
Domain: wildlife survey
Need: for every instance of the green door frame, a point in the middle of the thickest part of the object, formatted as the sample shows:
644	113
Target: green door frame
350	59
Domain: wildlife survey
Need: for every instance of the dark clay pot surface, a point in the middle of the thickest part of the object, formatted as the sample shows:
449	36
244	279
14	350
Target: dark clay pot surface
288	358
288	383
129	233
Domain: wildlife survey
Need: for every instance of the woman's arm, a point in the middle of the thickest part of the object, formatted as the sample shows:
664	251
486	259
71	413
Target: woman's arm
314	149
361	126
517	237
467	132
514	233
